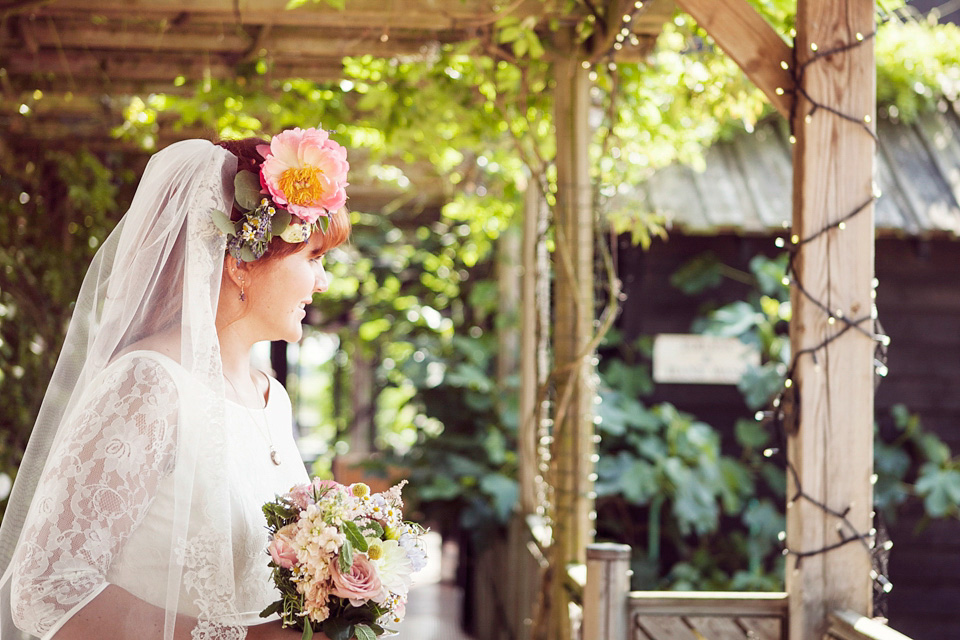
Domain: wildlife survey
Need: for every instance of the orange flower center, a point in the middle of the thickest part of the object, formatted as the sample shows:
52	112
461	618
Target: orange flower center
301	186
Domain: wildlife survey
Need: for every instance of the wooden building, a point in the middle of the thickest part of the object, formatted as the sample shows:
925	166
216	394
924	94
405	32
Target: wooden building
735	209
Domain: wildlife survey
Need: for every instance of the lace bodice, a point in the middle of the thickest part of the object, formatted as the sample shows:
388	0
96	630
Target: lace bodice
103	508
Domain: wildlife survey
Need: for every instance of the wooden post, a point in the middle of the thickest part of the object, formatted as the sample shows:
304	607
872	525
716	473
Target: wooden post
571	464
605	594
832	447
529	414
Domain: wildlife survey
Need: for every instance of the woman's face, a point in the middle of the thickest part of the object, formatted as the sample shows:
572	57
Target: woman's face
279	291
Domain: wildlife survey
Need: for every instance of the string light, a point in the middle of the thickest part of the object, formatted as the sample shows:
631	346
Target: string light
786	402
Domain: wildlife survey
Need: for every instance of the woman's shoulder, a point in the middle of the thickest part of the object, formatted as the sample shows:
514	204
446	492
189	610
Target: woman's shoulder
155	356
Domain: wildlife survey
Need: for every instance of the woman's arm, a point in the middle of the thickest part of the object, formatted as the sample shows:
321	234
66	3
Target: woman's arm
106	467
116	614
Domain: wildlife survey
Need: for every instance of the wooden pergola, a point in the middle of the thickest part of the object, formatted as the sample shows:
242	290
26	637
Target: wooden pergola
63	61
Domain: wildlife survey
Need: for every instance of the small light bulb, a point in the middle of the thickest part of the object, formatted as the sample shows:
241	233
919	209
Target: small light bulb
813	46
831	320
808	118
868	119
784	65
788	383
842	226
785	281
778	91
859	37
793	139
795	239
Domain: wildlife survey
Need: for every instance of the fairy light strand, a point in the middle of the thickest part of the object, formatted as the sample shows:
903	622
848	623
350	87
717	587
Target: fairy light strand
784	408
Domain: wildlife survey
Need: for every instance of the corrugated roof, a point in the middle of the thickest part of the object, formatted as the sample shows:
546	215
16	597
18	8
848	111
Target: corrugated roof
746	186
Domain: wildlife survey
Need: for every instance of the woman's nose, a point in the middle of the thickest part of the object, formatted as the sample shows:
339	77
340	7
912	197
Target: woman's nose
321	283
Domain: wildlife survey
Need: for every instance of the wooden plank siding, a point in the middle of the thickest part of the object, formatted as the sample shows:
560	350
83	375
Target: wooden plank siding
919	305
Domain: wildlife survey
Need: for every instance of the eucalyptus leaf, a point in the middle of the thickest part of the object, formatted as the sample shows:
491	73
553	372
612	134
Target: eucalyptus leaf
246	254
246	189
223	222
279	222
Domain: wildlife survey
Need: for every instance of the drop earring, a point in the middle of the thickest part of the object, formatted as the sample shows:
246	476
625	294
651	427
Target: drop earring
243	296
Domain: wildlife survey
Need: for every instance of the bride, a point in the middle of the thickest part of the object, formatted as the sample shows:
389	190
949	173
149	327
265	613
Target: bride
136	512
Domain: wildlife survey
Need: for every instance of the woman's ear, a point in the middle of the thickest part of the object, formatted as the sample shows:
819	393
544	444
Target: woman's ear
236	272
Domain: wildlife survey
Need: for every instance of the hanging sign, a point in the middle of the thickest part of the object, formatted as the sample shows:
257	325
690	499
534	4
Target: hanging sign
697	359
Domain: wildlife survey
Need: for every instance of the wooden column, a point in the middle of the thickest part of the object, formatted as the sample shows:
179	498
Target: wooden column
832	447
606	592
529	414
573	325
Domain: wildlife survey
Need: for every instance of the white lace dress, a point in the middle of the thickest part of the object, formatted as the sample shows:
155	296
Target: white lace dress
103	509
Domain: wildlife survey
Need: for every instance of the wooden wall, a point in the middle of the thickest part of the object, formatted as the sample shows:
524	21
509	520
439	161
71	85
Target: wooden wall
919	304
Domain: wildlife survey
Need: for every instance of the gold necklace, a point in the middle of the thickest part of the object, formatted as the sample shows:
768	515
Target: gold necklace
265	434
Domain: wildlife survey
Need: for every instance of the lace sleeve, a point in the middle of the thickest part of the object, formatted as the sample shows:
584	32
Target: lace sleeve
99	483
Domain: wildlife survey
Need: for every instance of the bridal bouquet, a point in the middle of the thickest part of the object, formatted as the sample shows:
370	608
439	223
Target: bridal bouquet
342	559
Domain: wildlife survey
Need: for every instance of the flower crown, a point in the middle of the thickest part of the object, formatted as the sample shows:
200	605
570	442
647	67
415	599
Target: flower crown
302	180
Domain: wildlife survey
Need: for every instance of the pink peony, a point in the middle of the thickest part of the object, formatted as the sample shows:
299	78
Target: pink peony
361	584
305	172
281	547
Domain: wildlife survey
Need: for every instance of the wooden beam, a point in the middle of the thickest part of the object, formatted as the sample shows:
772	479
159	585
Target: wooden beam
746	37
832	446
80	67
158	35
377	15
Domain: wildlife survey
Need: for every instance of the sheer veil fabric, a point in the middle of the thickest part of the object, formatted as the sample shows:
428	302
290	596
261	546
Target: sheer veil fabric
116	429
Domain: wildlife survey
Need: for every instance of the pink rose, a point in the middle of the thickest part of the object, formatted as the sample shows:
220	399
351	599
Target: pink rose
281	547
361	584
305	172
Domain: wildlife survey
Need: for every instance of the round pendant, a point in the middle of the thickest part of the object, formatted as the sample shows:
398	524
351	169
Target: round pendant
273	457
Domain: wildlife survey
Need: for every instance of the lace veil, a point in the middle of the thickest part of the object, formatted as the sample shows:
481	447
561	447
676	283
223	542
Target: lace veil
115	428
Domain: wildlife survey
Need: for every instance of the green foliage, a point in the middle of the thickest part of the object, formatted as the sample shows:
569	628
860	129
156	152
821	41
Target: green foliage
58	208
918	66
708	514
706	519
465	475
